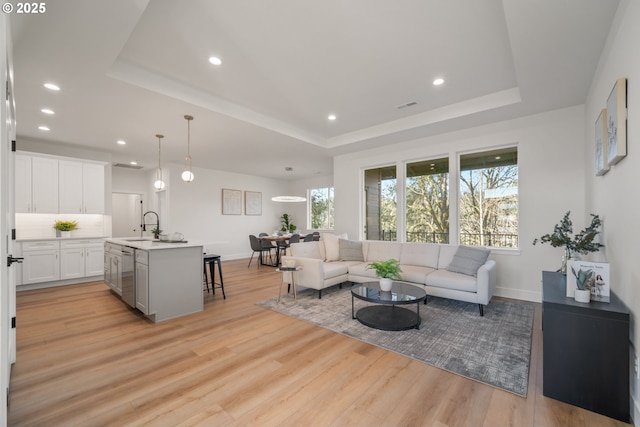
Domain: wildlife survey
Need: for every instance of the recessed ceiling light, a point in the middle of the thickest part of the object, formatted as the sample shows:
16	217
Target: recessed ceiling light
52	86
47	111
215	60
121	142
438	81
332	117
44	128
133	163
497	157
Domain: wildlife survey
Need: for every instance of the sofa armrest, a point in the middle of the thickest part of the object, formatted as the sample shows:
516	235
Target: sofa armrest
311	275
486	281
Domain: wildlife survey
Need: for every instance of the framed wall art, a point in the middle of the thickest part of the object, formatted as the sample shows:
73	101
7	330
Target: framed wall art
602	160
231	202
252	203
617	122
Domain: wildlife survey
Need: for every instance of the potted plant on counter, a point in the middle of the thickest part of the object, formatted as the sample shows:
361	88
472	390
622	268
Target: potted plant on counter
287	224
386	271
63	228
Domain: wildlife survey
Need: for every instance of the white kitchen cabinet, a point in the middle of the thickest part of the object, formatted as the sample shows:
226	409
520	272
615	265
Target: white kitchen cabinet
112	268
81	258
142	281
81	187
36	184
41	261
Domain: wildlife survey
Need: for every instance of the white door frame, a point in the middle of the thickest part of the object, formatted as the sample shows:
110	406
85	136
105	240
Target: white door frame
7	217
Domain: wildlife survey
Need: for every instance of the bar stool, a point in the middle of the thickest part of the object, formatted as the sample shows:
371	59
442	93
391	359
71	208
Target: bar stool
211	260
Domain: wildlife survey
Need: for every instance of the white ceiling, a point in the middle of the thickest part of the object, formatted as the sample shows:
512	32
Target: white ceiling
130	69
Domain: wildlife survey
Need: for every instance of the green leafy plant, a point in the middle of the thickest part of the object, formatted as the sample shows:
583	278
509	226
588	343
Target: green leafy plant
389	269
287	224
582	242
65	225
156	232
583	277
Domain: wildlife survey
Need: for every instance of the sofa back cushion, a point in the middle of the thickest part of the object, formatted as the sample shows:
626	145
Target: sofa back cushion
468	260
446	255
307	250
350	250
382	251
421	254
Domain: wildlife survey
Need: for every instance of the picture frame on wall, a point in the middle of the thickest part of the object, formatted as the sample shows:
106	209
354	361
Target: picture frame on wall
602	160
252	203
617	122
231	202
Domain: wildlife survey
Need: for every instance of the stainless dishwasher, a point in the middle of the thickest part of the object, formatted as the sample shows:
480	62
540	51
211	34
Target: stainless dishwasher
128	276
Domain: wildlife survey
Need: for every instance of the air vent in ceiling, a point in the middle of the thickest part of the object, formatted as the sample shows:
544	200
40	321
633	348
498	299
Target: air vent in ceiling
126	166
408	104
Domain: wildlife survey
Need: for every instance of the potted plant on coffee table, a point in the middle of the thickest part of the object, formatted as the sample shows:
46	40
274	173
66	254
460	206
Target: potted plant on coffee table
386	271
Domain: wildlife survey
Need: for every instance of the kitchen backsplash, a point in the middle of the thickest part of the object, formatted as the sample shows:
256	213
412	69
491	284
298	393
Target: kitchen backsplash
35	226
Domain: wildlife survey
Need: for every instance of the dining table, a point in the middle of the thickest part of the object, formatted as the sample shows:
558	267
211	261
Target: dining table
276	239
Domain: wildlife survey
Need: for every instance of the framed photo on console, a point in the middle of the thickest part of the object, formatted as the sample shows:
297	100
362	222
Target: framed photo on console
596	276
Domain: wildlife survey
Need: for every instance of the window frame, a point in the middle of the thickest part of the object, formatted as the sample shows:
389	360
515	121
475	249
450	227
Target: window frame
310	210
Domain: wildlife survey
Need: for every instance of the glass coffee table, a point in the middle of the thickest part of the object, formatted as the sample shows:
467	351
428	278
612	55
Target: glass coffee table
385	314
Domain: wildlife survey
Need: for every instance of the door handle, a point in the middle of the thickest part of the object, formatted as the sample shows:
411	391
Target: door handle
11	259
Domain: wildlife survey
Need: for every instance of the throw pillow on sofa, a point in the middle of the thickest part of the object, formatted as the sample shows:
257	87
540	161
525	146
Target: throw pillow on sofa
468	260
331	246
350	250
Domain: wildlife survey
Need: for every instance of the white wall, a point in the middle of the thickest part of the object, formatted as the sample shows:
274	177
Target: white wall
614	196
551	171
298	211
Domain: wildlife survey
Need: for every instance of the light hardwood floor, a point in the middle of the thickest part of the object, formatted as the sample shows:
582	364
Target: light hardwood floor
85	358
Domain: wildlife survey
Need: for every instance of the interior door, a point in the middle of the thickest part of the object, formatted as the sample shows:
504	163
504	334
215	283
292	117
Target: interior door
7	216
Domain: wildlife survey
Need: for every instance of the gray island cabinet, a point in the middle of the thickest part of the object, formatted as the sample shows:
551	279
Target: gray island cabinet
167	278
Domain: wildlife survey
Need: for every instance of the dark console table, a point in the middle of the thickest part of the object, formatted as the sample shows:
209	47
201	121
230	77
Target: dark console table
585	350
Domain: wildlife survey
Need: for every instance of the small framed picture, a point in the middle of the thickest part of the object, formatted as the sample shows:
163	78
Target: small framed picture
231	202
252	203
602	160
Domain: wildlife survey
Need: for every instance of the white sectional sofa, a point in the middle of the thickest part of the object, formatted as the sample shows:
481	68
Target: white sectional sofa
442	270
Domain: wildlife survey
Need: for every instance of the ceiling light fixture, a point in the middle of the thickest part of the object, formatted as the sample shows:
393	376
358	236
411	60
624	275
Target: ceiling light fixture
44	128
159	184
288	199
121	142
47	111
332	117
187	175
52	86
215	60
133	163
438	81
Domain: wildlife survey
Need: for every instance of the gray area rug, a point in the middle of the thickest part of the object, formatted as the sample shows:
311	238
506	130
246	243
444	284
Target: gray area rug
494	349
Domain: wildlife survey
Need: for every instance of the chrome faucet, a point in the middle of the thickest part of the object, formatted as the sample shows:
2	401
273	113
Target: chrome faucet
144	224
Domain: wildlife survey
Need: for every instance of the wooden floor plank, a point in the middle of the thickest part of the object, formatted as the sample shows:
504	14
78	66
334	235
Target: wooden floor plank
84	358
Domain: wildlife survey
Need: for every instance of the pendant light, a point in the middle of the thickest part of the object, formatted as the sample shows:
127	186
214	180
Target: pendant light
187	175
159	184
288	199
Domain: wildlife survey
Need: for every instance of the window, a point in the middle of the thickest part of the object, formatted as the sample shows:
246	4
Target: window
321	208
488	203
380	203
427	201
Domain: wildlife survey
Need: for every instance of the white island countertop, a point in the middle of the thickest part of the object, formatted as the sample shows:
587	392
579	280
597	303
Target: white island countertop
150	244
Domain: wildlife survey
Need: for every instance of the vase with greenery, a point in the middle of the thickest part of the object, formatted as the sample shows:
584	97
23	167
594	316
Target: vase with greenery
156	233
582	242
287	224
387	271
63	228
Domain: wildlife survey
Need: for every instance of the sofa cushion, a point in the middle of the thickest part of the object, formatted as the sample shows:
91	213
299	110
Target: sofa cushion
331	246
350	250
422	254
382	251
306	250
468	260
415	273
361	269
450	280
446	255
334	269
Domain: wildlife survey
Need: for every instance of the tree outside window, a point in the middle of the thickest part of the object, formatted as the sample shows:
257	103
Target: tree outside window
321	208
427	201
381	203
488	202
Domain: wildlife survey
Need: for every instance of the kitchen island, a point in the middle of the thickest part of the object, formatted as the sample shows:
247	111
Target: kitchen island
162	280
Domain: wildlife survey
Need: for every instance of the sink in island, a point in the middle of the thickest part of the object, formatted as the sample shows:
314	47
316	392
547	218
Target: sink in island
161	279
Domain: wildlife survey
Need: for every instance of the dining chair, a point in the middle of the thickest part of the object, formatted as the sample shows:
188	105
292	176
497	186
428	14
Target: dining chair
295	238
266	244
256	246
316	236
308	238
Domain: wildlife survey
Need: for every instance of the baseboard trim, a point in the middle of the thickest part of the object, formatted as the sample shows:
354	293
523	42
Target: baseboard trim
43	285
520	294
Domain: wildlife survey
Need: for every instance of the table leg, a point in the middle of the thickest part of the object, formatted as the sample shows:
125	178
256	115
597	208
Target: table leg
418	314
281	283
353	313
